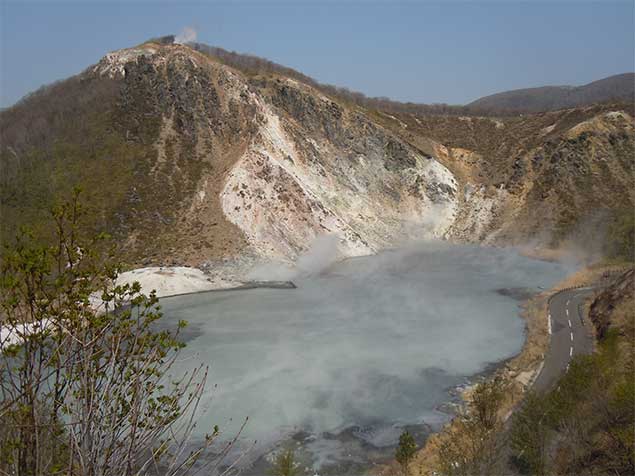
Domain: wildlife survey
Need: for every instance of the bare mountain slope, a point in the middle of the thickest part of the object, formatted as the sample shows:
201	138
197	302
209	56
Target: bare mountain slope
541	178
188	160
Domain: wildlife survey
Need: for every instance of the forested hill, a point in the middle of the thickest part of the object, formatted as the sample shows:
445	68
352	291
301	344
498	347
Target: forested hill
620	87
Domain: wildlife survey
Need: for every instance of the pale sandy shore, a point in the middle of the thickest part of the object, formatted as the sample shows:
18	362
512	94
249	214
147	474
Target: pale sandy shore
170	281
166	281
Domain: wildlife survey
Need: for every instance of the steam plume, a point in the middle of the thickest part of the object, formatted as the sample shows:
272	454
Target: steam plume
187	35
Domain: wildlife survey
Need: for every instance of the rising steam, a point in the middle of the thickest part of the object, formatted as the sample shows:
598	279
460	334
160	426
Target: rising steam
187	35
360	348
323	252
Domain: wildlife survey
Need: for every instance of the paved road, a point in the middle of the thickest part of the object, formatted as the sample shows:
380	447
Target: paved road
570	335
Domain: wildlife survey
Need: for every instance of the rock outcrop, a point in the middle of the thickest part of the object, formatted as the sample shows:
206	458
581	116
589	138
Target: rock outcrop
187	160
605	309
304	166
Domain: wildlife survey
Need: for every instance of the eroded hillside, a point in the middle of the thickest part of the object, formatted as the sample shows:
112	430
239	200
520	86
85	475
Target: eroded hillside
214	163
542	179
187	160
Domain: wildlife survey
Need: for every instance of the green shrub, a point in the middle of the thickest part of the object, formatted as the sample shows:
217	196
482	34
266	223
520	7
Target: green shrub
585	424
405	451
87	390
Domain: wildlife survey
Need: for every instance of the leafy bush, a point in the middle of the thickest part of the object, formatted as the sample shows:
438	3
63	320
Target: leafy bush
405	451
85	385
585	424
473	447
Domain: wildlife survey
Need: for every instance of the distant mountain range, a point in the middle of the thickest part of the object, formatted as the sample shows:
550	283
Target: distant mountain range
620	87
617	88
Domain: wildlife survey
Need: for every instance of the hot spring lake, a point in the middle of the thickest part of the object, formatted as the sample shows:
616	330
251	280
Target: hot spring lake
341	365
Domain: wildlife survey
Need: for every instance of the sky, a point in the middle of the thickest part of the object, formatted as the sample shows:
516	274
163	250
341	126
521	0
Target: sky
420	51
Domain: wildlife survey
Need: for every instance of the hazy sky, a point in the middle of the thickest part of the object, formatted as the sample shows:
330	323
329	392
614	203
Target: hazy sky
419	51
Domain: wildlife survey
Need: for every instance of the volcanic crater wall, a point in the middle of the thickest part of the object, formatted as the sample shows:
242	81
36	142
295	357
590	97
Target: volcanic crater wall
191	161
315	167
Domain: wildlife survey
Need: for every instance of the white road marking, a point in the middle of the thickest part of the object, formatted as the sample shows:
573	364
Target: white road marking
567	311
569	320
549	324
571	334
568	301
570	351
567	368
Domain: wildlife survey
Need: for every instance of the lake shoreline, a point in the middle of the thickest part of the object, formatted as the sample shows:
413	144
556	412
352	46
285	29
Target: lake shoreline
519	372
391	296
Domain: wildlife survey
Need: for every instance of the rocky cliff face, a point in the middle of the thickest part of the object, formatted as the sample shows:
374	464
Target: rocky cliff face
614	306
542	179
305	165
315	167
188	160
